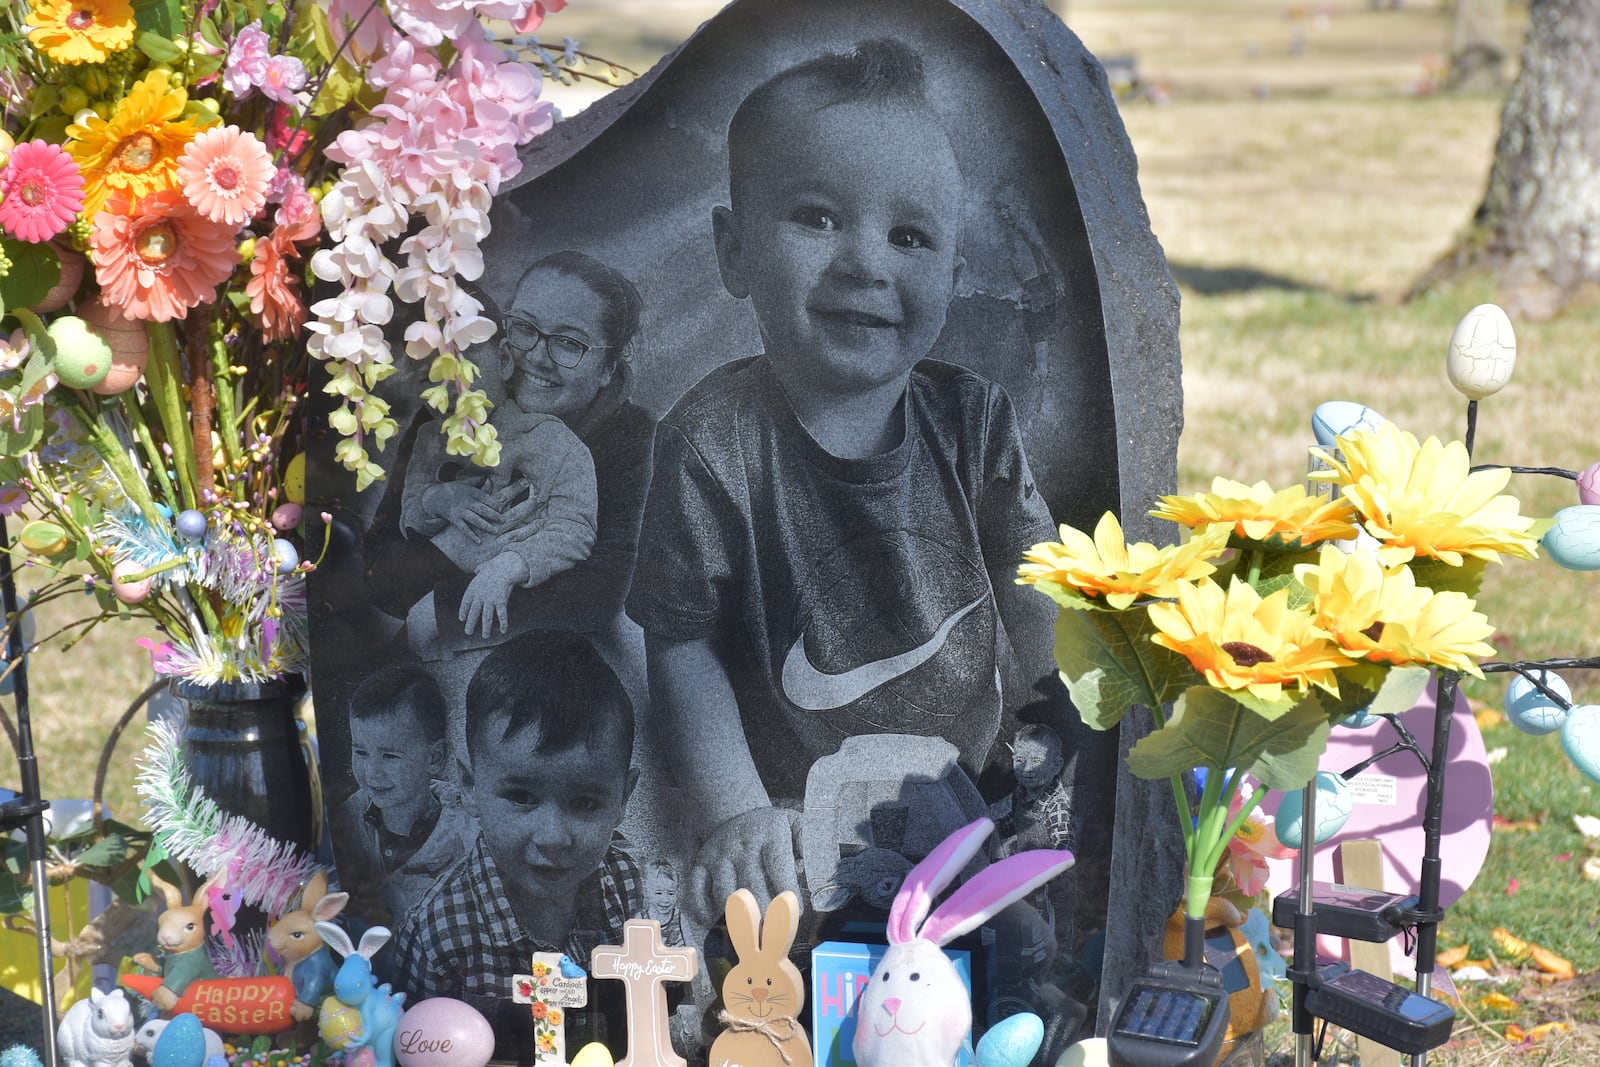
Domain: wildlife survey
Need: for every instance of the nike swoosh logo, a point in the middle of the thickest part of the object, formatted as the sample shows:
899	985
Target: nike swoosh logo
810	689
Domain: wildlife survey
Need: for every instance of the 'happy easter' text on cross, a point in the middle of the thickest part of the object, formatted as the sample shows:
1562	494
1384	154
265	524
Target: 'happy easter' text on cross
643	963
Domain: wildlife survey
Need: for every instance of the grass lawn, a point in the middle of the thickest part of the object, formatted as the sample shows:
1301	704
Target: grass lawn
1299	184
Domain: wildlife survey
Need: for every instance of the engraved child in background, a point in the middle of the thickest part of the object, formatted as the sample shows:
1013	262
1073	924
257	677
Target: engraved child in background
832	528
404	824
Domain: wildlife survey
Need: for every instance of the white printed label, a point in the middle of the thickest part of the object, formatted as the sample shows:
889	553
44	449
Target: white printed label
1369	788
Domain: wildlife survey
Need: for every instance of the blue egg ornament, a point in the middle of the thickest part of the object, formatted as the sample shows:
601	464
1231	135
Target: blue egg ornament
1334	804
191	525
181	1044
1337	417
1360	720
1530	710
286	558
1011	1042
1574	540
1580	737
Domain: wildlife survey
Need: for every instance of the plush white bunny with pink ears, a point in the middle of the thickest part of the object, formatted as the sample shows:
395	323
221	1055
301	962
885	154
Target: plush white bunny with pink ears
915	1009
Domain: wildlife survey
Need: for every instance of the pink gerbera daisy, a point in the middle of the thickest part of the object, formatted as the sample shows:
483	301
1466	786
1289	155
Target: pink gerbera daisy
225	172
41	191
156	258
271	288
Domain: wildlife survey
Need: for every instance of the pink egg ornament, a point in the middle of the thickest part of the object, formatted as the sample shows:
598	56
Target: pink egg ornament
1589	485
127	340
286	517
133	592
72	264
443	1032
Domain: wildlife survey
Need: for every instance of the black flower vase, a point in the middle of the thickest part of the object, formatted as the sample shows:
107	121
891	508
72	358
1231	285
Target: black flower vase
242	748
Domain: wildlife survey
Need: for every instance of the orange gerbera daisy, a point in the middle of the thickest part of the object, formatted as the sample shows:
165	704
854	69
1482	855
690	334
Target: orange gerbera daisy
137	148
271	288
156	258
1242	641
80	31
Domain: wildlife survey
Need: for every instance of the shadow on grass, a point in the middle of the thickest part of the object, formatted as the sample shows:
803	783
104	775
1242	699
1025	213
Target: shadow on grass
1226	281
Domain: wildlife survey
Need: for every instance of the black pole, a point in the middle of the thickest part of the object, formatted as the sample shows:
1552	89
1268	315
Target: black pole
30	813
1432	831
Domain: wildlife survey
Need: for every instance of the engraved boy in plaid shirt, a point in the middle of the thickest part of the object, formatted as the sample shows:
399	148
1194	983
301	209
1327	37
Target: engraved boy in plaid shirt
550	739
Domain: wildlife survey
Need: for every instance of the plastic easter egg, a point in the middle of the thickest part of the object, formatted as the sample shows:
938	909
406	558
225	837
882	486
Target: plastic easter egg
43	537
443	1033
191	525
294	480
1091	1052
285	556
129	592
1530	710
181	1044
1340	417
1360	720
129	344
72	264
338	1022
1334	804
1574	540
1589	485
1011	1042
1483	352
594	1054
1580	737
83	359
286	517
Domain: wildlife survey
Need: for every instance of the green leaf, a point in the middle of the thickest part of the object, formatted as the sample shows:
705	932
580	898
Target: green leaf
163	17
35	270
1110	664
1443	578
159	47
1208	728
15	442
1299	596
107	852
1400	689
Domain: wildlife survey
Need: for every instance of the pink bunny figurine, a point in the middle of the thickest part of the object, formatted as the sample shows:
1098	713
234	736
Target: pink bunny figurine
915	1009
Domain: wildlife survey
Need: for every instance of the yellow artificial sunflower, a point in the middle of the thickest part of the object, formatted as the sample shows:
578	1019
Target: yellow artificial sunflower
1424	499
1242	641
138	148
80	31
1107	571
1258	513
1383	616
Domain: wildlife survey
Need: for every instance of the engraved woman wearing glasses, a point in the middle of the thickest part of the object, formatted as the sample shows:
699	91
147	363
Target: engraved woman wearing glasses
548	537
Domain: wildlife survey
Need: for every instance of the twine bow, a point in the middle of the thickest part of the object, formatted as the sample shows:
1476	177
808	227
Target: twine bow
767	1029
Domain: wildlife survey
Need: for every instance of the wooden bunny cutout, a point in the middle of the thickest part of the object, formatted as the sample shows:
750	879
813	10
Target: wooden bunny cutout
763	993
181	936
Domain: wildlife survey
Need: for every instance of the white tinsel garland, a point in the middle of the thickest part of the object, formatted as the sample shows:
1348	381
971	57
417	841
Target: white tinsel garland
193	829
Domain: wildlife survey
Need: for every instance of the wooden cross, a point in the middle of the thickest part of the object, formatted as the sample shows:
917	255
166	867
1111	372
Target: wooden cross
643	963
550	993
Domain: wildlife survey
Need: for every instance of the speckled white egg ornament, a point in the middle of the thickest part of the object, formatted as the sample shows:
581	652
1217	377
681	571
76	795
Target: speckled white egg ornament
1337	417
1530	710
1334	804
1574	540
1580	737
1483	352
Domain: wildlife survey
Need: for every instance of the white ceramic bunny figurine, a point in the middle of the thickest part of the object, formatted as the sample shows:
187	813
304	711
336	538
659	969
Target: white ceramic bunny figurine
97	1032
915	1009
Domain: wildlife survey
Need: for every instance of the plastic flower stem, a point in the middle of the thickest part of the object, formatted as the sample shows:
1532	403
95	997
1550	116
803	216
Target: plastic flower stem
1179	795
1255	567
223	394
152	454
1237	821
162	375
1200	871
122	468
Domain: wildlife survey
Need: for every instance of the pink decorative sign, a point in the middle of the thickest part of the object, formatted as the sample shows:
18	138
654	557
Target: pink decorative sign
1389	801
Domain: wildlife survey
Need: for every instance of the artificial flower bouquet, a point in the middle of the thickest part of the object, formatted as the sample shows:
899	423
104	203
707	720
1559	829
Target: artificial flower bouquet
174	176
1285	612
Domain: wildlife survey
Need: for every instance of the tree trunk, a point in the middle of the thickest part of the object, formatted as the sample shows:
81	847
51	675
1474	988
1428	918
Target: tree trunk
1537	231
1478	46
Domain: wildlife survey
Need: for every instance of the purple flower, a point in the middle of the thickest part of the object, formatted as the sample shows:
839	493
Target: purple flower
12	498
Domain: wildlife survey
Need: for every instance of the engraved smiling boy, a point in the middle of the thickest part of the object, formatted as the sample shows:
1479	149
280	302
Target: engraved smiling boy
832	527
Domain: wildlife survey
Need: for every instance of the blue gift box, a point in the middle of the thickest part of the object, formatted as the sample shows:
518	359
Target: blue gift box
839	971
